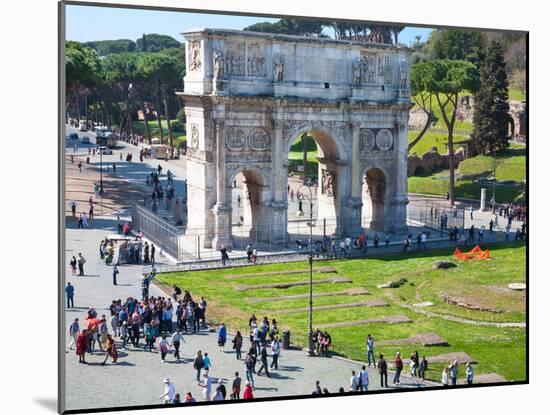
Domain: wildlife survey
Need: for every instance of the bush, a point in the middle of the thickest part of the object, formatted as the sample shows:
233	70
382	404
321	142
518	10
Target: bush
180	116
178	126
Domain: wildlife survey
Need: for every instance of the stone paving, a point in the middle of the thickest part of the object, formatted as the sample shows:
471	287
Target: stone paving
137	378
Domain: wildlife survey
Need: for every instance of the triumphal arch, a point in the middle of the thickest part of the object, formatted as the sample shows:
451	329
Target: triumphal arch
249	95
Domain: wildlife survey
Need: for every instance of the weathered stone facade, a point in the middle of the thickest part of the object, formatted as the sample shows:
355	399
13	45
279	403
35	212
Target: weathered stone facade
249	95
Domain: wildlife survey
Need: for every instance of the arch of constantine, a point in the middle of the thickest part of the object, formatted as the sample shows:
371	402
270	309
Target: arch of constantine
249	95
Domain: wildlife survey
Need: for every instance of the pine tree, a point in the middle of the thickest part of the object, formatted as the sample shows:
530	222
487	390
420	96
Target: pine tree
491	110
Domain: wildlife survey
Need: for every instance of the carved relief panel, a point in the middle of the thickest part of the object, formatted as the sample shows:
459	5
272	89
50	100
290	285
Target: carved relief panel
256	66
375	141
234	59
247	144
328	183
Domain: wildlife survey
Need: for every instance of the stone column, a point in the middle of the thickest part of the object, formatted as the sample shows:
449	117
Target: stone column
355	201
279	215
396	216
222	209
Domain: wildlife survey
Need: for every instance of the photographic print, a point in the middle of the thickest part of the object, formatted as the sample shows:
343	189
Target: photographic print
277	207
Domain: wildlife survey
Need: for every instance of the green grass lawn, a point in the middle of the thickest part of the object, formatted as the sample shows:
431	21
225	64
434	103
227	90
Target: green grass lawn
430	140
511	164
500	350
139	127
468	189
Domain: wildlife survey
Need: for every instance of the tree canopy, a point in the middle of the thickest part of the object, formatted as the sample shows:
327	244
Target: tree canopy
107	47
155	43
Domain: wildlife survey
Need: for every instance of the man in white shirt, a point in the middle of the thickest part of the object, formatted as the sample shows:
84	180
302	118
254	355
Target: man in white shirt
169	392
74	331
275	350
353	382
206	385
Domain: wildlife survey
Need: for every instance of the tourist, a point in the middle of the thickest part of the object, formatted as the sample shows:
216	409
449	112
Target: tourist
370	350
177	399
453	371
84	220
115	273
249	253
69	291
163	348
364	379
383	371
175	342
198	364
236	388
222	336
275	351
221	389
254	255
445	376
82	346
169	392
238	344
225	257
81	261
73	208
469	373
353	382
207	362
317	390
423	368
202	307
206	385
414	364
74	331
189	398
249	364
152	254
325	391
398	368
110	350
248	391
124	334
263	360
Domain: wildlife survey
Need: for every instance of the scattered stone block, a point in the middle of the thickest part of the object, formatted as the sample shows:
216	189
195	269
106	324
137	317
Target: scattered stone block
485	378
397	319
444	265
423	339
283	285
449	358
370	303
423	304
352	292
470	304
517	286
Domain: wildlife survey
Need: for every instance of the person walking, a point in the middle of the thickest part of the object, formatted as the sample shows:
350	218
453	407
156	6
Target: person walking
175	342
238	344
353	382
370	350
469	373
249	365
423	368
364	379
206	386
81	261
163	348
207	362
169	392
73	264
110	350
198	364
222	337
236	388
445	376
69	291
414	364
153	249
398	368
383	371
263	360
275	351
74	331
115	273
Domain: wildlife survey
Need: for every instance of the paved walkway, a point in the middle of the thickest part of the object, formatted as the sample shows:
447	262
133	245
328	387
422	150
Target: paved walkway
137	378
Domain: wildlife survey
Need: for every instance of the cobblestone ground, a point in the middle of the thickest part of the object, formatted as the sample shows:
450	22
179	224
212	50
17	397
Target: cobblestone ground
137	378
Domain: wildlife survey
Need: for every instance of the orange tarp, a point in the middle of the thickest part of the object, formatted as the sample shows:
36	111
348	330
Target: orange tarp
475	253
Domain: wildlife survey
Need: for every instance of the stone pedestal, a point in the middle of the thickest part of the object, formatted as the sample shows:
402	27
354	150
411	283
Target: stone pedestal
483	201
222	214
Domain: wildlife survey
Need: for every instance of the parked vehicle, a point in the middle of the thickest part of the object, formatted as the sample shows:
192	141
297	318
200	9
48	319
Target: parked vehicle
105	150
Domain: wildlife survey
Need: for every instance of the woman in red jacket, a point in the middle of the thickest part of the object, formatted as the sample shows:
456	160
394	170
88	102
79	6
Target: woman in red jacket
248	391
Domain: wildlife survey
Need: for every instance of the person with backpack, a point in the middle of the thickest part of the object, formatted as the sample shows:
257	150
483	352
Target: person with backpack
81	261
198	364
222	337
238	344
249	365
236	388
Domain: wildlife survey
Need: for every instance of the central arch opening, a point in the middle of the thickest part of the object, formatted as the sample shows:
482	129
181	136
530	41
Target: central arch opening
312	164
374	199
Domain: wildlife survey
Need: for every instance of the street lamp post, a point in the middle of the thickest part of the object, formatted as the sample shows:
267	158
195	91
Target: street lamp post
100	171
310	350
